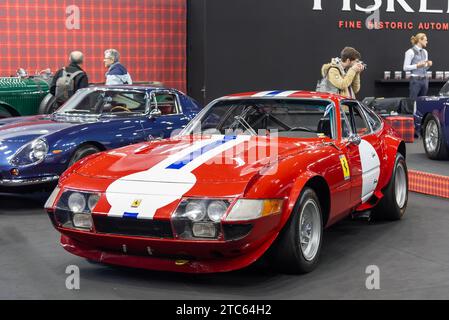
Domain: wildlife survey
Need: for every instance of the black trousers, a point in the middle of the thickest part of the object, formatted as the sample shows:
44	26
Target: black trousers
418	88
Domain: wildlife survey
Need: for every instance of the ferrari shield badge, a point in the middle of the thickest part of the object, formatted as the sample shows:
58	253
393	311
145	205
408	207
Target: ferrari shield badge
345	167
136	203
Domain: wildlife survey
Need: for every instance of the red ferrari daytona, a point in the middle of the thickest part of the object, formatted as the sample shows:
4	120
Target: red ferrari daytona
254	174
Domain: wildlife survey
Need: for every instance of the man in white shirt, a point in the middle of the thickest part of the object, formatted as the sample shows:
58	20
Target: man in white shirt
417	62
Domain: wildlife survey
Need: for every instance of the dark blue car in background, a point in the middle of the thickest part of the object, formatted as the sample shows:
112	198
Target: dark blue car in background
34	151
432	122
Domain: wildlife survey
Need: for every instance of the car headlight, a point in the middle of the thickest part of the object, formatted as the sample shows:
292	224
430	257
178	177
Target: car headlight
74	209
199	218
245	209
32	153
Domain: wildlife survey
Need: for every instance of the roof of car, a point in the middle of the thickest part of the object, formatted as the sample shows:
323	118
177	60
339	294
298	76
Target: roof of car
130	87
285	94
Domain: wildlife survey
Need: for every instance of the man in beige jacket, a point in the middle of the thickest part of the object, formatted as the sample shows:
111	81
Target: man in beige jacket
344	72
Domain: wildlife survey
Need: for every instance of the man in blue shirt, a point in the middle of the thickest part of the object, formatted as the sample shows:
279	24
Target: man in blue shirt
117	73
417	62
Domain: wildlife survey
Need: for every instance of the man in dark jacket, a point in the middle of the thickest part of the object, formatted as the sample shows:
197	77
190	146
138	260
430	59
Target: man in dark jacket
76	78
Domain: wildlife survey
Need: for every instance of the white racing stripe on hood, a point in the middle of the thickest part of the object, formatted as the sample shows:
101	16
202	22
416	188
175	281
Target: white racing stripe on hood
167	181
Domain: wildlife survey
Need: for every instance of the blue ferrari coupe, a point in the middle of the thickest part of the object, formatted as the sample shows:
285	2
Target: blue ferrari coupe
432	122
34	151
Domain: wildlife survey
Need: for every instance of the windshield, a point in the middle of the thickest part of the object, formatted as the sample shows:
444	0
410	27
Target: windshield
299	118
445	90
100	102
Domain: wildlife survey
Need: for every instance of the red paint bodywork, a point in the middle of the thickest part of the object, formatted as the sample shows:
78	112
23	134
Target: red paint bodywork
299	161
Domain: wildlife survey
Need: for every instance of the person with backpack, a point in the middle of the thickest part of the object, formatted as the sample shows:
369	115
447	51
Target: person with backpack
417	62
342	75
117	73
69	79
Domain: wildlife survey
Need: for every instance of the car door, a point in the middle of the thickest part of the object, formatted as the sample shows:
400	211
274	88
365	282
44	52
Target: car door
364	151
165	115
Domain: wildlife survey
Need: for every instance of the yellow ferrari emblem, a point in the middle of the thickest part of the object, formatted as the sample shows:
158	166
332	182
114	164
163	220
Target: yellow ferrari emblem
345	167
136	203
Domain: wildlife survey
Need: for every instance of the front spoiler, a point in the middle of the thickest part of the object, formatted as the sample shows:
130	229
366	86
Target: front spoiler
164	264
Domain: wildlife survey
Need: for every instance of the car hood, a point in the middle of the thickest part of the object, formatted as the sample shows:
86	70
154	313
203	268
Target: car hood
212	159
25	129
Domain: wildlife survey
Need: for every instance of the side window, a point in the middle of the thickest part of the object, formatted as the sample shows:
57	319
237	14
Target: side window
345	123
361	125
373	119
166	102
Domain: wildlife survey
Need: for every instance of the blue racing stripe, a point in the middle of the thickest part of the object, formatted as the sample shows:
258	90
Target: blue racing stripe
274	93
129	215
197	153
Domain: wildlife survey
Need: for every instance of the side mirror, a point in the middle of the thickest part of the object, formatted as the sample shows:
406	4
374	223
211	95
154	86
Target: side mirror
355	139
155	113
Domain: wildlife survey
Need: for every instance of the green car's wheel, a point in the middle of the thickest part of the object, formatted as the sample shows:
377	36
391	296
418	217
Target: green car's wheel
4	113
48	105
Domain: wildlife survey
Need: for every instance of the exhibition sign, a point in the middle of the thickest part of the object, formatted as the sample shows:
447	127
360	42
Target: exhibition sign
149	34
377	8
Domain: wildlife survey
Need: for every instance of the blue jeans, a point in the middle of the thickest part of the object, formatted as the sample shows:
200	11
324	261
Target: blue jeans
418	88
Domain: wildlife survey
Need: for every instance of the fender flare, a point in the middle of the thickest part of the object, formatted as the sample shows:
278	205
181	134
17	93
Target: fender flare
304	179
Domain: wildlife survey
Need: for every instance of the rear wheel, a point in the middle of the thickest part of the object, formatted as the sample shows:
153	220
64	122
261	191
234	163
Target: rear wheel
433	139
83	152
394	203
298	247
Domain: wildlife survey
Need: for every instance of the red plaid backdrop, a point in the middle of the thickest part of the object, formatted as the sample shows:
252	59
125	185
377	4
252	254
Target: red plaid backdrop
150	35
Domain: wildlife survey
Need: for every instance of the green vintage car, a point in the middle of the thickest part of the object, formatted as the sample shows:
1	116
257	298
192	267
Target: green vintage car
25	95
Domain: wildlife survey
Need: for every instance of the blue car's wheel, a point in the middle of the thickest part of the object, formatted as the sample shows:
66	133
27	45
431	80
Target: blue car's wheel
433	138
83	152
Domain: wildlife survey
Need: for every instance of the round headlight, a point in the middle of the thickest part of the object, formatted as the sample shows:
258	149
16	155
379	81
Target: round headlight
77	202
92	202
216	210
39	149
195	210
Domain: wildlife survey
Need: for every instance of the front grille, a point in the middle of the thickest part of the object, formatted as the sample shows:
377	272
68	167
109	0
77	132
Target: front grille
133	227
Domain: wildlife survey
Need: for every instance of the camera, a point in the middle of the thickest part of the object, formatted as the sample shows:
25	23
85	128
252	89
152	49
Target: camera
365	66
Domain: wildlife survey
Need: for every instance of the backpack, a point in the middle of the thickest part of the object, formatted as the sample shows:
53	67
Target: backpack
324	85
65	85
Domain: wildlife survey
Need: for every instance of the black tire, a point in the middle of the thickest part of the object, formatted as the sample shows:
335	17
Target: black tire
437	150
4	113
392	207
48	105
286	254
83	152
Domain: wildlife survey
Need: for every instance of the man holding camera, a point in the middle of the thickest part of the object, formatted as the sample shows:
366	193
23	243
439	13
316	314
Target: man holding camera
344	73
417	62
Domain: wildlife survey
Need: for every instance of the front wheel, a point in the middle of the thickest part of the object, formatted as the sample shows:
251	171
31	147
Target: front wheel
298	247
83	152
433	139
4	113
394	203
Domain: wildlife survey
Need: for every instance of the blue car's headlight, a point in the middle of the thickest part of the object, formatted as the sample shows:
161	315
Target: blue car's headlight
32	153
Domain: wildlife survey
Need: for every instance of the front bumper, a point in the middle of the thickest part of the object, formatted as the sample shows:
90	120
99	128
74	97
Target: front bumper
26	182
172	254
172	264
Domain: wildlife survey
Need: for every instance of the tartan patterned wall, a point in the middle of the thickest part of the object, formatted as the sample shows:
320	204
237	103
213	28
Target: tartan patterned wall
150	35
